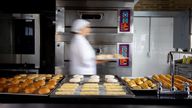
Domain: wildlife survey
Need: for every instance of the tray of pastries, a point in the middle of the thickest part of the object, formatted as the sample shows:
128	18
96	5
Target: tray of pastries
92	85
179	81
141	85
30	84
110	57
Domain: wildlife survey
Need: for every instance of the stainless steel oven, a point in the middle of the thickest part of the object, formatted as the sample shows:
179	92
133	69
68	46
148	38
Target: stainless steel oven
105	34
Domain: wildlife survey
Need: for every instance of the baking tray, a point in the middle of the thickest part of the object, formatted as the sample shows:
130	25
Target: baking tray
101	90
25	94
142	92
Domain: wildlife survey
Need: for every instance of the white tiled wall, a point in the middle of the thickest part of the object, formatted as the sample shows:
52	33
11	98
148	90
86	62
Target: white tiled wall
147	62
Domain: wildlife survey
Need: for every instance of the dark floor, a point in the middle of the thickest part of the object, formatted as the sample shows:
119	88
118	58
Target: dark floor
83	106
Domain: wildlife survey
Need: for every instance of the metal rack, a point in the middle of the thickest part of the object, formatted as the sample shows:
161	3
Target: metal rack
173	91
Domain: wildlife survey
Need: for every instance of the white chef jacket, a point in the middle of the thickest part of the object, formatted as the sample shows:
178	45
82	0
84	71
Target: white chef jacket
82	56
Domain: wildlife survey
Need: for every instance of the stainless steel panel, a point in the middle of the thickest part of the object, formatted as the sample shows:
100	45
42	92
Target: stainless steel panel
31	58
100	38
182	31
60	20
59	51
96	3
97	30
109	18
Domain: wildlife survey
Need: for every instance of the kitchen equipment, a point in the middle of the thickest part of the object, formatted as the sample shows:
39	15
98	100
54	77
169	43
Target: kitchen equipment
105	21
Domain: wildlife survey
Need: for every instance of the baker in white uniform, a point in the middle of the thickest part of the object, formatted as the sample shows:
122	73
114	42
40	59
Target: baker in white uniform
82	55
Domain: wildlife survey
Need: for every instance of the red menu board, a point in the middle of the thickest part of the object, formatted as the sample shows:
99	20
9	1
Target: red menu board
124	21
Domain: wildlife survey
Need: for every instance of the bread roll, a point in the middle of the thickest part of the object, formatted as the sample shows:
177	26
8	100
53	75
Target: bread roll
13	90
64	93
50	86
138	81
44	90
29	90
115	93
2	88
23	85
3	80
143	79
183	79
75	80
137	87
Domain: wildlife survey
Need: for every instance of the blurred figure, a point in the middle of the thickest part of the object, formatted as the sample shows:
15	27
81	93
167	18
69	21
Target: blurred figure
82	55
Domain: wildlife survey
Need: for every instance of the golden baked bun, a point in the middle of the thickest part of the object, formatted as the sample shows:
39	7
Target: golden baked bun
23	85
143	79
50	86
15	81
3	80
41	82
40	78
2	88
23	75
52	82
22	80
138	81
17	77
137	87
13	89
127	79
36	85
29	90
145	86
44	90
29	81
10	79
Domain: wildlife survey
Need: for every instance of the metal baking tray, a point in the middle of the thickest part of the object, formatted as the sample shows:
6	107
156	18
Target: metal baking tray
34	94
101	90
142	91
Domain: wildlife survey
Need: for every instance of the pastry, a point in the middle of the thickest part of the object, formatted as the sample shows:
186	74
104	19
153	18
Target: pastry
137	87
50	86
145	86
23	85
96	80
110	84
3	80
44	90
138	81
143	79
116	93
29	81
64	93
127	79
15	81
75	80
89	93
40	78
23	75
2	87
13	89
94	77
109	76
111	80
29	90
78	76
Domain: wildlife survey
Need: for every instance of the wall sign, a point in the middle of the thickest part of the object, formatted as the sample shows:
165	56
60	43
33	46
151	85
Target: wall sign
124	24
123	49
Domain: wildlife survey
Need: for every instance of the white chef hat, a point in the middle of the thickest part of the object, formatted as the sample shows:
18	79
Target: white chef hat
79	24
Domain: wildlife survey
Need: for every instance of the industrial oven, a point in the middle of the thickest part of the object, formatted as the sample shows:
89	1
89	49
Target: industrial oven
107	37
